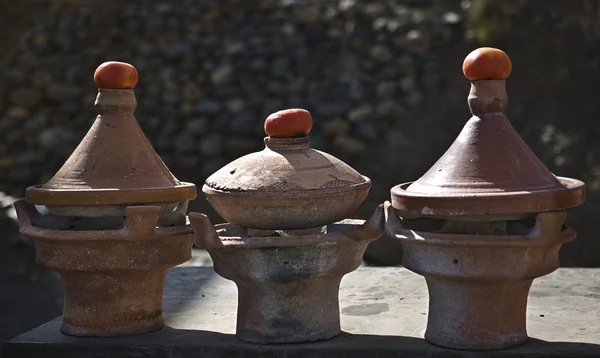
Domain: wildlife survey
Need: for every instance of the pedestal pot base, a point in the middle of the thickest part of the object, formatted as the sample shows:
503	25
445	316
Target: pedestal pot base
113	279
287	286
479	283
288	312
108	304
477	315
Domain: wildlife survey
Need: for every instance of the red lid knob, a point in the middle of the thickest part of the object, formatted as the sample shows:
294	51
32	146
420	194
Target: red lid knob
116	75
487	63
289	123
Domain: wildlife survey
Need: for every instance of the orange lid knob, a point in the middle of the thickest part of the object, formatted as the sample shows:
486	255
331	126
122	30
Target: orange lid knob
289	123
487	63
116	75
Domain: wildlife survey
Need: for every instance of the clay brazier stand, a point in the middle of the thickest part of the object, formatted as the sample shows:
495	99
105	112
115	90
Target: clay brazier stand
286	244
287	287
480	226
111	222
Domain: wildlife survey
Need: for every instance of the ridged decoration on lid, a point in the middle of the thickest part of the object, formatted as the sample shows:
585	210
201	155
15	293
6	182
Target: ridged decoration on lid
286	174
115	163
489	169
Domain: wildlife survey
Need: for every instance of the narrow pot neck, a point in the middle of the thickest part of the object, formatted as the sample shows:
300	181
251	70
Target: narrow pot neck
287	143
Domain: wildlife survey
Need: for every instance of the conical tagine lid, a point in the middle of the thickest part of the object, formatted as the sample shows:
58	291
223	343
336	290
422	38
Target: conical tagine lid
488	170
115	163
286	175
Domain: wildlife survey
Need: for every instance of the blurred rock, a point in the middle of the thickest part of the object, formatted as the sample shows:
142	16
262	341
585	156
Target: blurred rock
350	145
235	105
360	113
211	146
55	138
209	106
381	54
17	112
407	84
386	89
191	92
414	98
63	92
308	13
335	127
184	143
222	75
375	9
197	126
390	110
26	97
367	130
417	42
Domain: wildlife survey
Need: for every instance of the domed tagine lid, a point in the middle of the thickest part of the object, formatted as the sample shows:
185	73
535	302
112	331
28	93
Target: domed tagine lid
488	170
287	176
115	163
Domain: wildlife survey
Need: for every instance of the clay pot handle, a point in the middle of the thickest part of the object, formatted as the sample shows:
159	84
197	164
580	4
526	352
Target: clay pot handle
25	212
393	224
141	221
205	235
548	225
375	225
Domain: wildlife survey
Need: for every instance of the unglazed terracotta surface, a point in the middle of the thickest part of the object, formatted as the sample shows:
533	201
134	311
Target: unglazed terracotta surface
482	224
115	222
286	245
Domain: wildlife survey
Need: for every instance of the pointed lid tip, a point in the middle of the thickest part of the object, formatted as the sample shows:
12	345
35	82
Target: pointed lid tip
489	169
115	163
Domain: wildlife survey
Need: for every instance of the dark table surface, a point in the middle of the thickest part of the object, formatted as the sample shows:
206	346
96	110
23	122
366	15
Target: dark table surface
383	314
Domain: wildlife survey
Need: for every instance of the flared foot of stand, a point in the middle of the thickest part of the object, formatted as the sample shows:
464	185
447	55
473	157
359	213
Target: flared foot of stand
477	315
112	304
290	312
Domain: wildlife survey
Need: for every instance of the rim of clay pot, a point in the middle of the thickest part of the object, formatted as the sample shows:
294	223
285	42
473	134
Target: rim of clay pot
299	209
489	203
208	235
354	226
535	236
115	235
287	143
464	240
109	196
141	222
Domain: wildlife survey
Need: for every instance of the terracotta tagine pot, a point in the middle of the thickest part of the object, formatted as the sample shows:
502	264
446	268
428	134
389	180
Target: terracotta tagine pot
288	243
112	221
483	222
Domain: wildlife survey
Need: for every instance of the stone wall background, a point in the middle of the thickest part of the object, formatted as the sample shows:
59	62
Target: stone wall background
382	79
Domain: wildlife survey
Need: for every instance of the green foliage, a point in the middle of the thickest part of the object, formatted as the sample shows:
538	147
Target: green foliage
490	20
